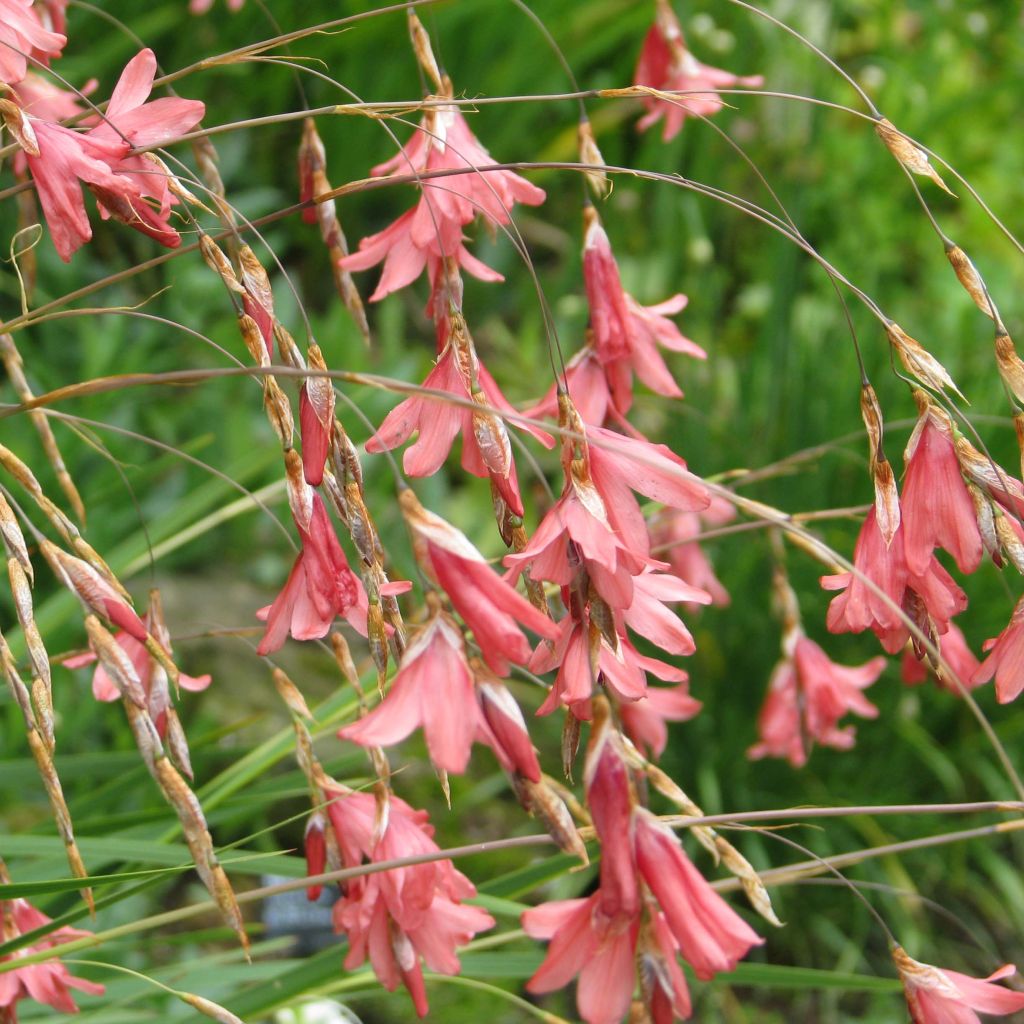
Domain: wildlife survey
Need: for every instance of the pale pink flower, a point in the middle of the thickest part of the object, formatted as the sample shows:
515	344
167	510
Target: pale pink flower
433	688
712	937
586	384
22	33
667	65
955	652
444	141
491	608
202	6
936	506
586	943
627	335
620	464
438	423
151	674
644	721
41	98
1006	659
671	534
807	696
48	982
938	996
649	616
399	916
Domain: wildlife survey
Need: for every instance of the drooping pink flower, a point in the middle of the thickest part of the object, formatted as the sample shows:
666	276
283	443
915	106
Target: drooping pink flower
47	982
491	608
939	996
807	696
320	586
712	937
587	386
626	335
955	652
667	65
152	675
438	423
47	101
22	33
1005	659
620	464
584	942
937	509
432	231
645	720
433	688
671	539
202	6
445	141
399	916
503	729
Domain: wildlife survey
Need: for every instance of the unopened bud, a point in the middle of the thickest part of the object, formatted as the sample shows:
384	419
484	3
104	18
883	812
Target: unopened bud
215	259
316	852
279	412
312	158
255	280
290	694
253	338
967	274
887	501
542	802
209	1008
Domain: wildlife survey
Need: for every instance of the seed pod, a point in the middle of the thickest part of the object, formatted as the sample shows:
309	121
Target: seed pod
887	501
590	155
255	280
424	51
753	887
13	364
279	413
209	1008
253	338
18	124
290	694
540	801
909	156
1011	369
920	363
215	259
967	274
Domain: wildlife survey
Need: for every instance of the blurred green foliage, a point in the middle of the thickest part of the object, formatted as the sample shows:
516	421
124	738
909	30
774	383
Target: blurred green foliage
781	376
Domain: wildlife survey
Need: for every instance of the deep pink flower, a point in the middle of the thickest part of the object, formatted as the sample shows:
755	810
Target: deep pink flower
47	982
644	720
711	936
610	799
433	688
807	696
315	846
23	33
438	423
491	608
936	506
955	652
930	600
503	729
938	996
320	586
1006	659
667	65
